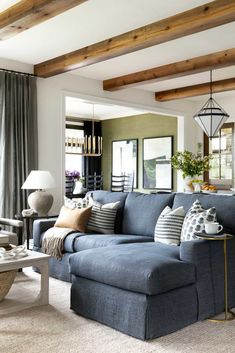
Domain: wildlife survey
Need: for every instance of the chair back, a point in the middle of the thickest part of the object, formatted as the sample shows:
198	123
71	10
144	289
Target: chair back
129	182
69	187
122	183
93	182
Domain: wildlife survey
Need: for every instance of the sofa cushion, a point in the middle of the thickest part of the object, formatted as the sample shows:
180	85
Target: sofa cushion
224	205
103	217
73	218
105	197
100	240
169	226
195	221
149	268
141	212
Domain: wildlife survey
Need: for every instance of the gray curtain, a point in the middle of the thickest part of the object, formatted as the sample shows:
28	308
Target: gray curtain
18	139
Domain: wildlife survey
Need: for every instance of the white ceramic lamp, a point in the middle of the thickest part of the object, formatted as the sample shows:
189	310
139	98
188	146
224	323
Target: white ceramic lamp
40	200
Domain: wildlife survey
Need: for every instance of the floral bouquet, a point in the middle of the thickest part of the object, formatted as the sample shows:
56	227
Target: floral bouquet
190	164
74	175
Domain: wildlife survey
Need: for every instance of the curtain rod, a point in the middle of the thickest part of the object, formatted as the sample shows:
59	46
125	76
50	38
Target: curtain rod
18	72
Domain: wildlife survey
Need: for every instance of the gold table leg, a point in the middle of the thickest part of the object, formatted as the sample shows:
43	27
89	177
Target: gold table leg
228	315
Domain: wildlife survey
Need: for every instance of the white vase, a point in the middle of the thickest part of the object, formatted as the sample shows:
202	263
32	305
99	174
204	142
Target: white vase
78	187
197	187
188	186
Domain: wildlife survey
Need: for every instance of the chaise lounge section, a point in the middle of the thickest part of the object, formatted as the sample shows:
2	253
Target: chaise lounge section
147	289
125	232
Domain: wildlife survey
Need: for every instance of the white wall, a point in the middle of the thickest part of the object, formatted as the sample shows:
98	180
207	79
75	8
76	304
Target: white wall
51	94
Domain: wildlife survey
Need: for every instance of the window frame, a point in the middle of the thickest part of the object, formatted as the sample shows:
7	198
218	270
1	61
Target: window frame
224	184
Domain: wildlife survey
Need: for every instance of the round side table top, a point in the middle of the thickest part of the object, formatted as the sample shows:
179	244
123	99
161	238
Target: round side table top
220	236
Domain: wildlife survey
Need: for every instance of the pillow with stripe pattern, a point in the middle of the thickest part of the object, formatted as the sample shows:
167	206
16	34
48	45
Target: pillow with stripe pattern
102	218
169	226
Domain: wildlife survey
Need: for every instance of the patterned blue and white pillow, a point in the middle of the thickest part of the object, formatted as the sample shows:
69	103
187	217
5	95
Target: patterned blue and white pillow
195	220
169	225
72	204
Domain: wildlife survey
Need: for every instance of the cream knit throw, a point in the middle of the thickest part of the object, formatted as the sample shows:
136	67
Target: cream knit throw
53	241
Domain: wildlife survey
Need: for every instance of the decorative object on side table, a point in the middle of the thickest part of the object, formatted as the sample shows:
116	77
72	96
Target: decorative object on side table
191	165
40	200
228	314
16	252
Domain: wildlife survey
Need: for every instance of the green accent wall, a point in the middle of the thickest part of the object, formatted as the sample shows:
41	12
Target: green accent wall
135	127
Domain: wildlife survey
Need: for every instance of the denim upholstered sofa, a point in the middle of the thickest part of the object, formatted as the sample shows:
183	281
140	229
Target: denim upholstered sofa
139	287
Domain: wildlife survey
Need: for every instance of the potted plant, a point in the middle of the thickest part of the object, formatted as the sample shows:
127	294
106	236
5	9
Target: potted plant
191	165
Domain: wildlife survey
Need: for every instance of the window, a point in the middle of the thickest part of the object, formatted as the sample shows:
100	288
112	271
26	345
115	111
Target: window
222	148
74	161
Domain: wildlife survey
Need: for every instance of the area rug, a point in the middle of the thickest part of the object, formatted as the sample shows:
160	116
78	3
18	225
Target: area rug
56	329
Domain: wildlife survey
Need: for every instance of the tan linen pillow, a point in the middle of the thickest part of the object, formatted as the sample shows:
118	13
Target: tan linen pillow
76	219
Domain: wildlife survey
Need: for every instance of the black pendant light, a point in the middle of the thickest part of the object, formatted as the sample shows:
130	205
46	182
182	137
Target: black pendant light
211	116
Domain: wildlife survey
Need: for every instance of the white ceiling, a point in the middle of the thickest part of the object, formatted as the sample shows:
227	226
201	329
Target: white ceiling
84	109
96	20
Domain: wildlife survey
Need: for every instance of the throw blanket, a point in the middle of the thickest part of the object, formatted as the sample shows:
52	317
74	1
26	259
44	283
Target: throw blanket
53	241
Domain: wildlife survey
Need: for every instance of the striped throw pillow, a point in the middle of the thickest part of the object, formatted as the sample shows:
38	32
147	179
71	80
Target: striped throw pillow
102	218
169	225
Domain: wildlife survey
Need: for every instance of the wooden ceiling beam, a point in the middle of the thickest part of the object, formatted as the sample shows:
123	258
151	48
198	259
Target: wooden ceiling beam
196	90
181	68
198	19
28	13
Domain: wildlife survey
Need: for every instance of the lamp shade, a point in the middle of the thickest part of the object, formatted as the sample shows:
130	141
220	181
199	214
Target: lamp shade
38	180
211	117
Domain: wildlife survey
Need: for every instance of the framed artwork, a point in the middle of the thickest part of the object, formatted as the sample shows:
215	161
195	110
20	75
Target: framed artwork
157	169
125	158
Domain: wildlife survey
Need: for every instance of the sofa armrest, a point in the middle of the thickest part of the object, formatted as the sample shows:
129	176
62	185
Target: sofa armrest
39	227
11	222
203	254
194	251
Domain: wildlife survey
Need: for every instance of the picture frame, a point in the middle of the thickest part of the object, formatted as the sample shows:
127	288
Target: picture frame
125	158
157	168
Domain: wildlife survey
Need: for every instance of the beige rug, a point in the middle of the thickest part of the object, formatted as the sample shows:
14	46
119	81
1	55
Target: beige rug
56	329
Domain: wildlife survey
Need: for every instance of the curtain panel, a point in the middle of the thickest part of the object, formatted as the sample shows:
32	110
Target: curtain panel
18	139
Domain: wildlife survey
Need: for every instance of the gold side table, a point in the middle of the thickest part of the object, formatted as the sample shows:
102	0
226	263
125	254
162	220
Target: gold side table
228	314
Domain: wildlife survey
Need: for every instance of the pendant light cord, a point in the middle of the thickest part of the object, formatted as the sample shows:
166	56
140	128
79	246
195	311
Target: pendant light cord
93	122
210	84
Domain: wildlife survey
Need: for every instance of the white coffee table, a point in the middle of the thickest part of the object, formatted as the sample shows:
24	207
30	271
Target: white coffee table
33	259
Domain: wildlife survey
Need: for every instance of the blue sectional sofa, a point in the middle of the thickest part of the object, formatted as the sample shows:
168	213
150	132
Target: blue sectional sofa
142	288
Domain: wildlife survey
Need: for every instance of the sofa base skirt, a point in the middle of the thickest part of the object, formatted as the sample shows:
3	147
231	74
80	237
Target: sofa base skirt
58	268
136	314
